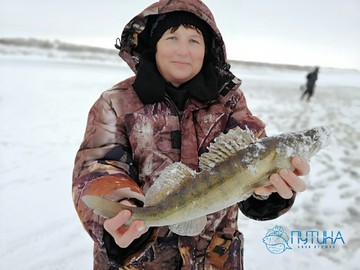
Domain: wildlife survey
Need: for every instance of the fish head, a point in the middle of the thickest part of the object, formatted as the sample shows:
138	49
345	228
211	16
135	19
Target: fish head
319	138
305	143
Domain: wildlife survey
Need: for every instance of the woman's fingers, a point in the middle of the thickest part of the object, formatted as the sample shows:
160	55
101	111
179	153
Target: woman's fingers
123	234
281	187
302	167
286	181
265	190
292	180
113	225
134	231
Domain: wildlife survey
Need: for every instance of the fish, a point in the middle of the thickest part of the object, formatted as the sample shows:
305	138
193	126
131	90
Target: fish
234	165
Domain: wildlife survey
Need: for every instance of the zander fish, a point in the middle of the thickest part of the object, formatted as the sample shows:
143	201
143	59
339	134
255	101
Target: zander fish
233	166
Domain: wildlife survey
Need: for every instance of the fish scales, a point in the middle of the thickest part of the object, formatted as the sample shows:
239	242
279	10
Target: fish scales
224	182
233	167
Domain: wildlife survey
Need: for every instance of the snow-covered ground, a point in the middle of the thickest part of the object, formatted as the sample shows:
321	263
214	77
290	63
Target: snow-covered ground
43	110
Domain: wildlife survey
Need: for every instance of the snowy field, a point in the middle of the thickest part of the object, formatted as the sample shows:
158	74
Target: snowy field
43	110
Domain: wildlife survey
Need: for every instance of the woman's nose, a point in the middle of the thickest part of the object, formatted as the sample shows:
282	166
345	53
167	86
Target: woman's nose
183	48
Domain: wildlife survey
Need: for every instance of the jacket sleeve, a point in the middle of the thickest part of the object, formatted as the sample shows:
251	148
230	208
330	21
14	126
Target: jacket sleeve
255	207
104	167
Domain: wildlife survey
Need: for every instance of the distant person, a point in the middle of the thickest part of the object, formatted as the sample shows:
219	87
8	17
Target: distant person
183	95
310	84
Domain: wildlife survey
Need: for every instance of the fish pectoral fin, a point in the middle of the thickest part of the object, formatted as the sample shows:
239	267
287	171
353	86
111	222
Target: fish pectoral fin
189	228
262	182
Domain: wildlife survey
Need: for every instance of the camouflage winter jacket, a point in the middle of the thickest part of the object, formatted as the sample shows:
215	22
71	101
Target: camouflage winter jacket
129	141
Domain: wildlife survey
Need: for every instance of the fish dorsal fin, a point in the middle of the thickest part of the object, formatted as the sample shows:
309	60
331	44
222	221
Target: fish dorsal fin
189	228
225	146
170	179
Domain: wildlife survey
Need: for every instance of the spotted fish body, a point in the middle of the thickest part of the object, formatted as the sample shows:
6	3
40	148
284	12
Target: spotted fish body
234	165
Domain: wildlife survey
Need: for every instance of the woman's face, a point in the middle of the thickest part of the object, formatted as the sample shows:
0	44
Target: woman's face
180	55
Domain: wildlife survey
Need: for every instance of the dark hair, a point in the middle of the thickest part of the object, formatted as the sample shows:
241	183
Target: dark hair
187	26
157	25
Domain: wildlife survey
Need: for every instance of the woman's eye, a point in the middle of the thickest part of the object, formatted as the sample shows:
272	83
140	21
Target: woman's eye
194	41
171	38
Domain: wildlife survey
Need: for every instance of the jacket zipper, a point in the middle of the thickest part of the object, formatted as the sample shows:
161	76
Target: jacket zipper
173	106
175	135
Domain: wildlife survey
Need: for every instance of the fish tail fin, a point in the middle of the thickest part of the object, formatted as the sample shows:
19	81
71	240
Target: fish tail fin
103	207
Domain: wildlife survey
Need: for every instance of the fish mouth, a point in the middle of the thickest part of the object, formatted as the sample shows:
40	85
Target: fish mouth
321	138
324	133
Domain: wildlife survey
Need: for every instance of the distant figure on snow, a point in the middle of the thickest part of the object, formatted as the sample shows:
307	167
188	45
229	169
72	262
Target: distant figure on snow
310	84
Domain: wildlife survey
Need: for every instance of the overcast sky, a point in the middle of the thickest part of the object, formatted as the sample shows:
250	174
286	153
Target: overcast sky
304	32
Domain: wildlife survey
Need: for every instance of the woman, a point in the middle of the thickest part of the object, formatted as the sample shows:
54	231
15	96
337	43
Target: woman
182	97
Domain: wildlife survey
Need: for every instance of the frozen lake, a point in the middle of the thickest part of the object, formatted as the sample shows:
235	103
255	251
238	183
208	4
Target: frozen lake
43	110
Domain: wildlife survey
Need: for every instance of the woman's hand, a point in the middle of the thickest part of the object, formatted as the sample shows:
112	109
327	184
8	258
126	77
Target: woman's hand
287	181
124	235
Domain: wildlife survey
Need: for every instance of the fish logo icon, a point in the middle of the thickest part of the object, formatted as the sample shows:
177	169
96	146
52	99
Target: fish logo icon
276	240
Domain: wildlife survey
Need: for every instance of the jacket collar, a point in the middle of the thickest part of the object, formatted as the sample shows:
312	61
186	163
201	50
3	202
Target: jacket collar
149	85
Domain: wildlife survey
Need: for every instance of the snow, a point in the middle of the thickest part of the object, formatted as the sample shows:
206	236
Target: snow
43	109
